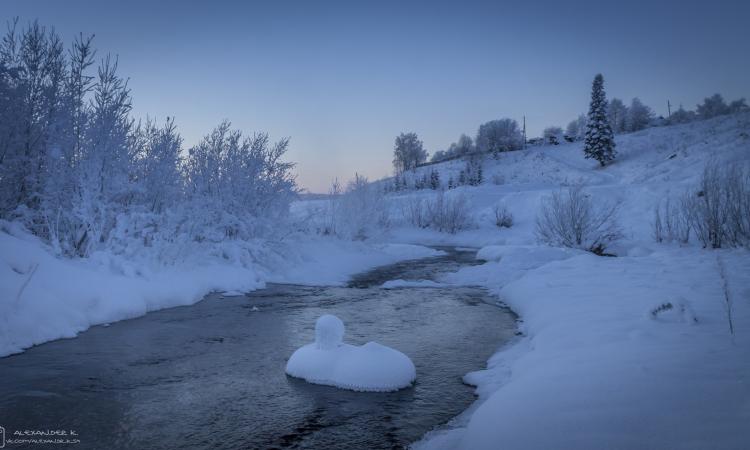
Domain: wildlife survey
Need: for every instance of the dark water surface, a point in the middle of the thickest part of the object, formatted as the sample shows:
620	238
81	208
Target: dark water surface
212	375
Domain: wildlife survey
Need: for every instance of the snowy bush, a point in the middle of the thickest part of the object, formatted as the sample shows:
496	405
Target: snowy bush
448	213
358	212
670	224
240	181
443	212
571	219
552	135
719	213
415	212
503	217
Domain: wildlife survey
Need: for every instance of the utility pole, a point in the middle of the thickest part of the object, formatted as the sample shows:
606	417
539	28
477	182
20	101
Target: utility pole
669	109
524	132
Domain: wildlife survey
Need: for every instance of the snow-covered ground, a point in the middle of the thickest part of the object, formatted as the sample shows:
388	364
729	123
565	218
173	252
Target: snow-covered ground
626	352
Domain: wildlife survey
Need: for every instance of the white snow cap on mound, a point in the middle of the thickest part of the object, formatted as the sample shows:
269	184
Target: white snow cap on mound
329	361
329	332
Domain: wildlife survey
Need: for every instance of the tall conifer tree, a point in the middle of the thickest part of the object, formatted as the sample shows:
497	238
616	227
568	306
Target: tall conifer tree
600	142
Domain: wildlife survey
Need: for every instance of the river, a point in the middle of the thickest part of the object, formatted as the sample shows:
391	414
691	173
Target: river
211	375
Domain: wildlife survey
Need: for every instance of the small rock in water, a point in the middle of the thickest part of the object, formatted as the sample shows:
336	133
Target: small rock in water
254	308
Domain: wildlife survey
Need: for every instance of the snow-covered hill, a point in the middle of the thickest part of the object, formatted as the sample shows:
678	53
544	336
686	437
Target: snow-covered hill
651	165
627	352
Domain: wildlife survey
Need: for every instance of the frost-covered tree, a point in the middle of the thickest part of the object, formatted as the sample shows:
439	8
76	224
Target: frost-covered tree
408	152
362	210
239	179
32	73
576	129
712	106
501	135
681	116
158	160
463	146
738	106
78	172
617	114
552	135
440	155
600	142
639	116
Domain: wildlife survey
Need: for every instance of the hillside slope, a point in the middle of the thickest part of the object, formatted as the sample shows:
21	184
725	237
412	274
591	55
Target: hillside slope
651	165
627	352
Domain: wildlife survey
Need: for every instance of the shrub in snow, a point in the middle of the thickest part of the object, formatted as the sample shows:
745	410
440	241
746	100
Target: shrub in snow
360	211
239	182
442	212
552	135
719	213
329	361
414	211
570	219
449	213
670	223
503	217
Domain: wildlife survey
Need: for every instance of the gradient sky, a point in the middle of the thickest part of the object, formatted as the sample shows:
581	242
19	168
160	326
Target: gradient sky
342	79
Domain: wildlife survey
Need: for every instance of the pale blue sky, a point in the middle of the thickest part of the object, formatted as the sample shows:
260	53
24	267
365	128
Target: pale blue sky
342	79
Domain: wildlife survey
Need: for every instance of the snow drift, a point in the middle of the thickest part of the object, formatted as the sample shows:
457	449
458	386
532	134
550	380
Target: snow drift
329	361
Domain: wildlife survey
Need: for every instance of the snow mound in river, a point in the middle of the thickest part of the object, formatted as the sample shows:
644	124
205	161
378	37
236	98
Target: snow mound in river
372	367
329	332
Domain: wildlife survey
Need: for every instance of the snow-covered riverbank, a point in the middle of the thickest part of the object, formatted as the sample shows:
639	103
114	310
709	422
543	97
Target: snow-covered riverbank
43	297
628	352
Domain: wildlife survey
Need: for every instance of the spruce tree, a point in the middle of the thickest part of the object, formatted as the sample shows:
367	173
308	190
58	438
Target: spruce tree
600	141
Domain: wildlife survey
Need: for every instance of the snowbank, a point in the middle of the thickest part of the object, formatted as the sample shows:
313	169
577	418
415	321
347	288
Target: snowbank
369	368
630	352
43	297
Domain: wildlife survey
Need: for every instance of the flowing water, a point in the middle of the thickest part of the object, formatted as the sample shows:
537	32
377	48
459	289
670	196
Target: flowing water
211	375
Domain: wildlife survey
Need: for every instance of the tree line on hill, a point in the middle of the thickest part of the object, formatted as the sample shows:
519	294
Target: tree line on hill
503	135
